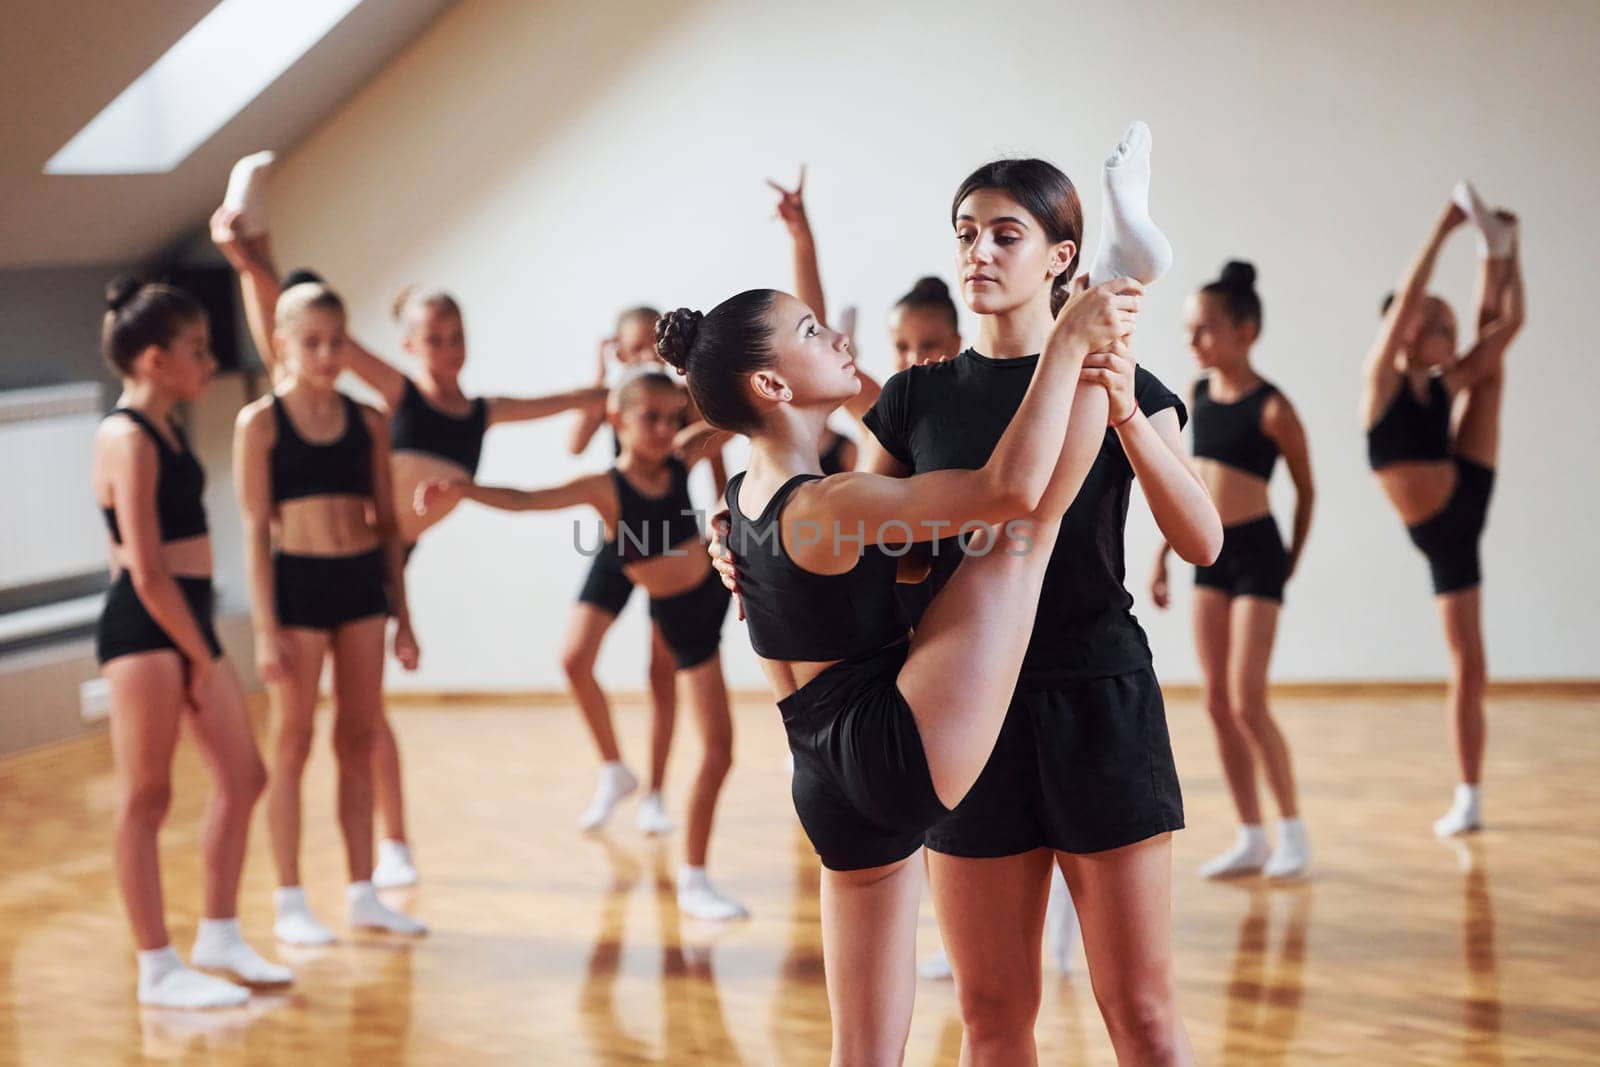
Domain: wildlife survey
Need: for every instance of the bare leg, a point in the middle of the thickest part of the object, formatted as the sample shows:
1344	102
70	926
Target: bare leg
358	705
991	916
585	630
295	698
386	784
663	707
1469	677
1124	899
869	941
146	701
708	696
1211	637
222	728
1255	625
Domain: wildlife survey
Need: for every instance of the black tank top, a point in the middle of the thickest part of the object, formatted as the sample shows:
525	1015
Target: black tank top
418	426
339	468
1231	433
180	485
648	526
1410	429
833	459
804	617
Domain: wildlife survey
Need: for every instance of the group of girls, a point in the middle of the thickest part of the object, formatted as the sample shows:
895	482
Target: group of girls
989	695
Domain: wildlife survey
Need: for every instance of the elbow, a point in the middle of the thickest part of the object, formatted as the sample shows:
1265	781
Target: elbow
1203	543
1008	497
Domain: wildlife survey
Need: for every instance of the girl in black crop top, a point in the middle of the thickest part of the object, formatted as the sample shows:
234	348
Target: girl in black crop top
158	649
1432	414
326	571
651	527
1242	423
886	734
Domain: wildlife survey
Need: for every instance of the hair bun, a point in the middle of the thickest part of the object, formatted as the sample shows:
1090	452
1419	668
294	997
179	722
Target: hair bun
676	332
120	290
1237	274
930	288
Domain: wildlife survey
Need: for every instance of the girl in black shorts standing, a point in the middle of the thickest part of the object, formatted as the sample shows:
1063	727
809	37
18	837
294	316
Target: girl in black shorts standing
326	570
654	532
1433	437
887	734
158	650
435	430
1241	425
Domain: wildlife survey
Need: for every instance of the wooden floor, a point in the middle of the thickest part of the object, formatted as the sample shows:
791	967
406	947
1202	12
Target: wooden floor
552	947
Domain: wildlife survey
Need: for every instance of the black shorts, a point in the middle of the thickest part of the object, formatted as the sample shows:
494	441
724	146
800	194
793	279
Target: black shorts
691	622
606	586
1253	562
325	592
861	784
125	627
1449	539
1080	767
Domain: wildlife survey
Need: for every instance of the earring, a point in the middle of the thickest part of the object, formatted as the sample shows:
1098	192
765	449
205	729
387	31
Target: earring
788	395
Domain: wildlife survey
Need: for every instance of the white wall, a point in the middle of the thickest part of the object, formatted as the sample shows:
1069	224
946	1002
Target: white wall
554	162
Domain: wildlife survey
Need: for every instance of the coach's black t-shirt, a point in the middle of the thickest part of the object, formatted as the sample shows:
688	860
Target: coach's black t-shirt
950	415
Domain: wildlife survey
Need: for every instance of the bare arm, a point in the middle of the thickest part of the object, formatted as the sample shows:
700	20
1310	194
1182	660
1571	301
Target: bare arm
134	465
591	400
1283	426
1382	378
807	278
1500	320
394	552
594	490
1178	499
253	435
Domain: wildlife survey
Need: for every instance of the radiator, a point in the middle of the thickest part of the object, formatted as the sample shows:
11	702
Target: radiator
50	528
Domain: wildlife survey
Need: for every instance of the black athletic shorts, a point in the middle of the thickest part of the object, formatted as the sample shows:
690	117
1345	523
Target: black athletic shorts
325	592
691	622
126	627
1253	562
1081	766
861	784
606	586
1450	539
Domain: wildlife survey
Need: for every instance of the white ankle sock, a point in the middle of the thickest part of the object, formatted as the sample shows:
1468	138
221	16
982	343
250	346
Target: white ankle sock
1061	923
616	782
368	912
164	982
1465	814
394	869
219	946
1293	854
1249	852
1495	235
699	898
295	924
653	817
247	193
1130	244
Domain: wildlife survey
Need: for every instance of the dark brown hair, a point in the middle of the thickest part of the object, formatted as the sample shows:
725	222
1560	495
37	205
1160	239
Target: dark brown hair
1047	194
139	315
1235	288
931	294
716	351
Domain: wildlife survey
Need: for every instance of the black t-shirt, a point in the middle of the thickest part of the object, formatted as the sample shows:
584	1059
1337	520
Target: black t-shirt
943	416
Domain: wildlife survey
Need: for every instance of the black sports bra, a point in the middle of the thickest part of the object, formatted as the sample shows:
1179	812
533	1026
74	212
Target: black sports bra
180	485
1410	430
648	526
1231	433
301	468
418	426
800	616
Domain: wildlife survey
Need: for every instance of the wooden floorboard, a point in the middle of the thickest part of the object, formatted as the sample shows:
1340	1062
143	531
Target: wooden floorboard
552	947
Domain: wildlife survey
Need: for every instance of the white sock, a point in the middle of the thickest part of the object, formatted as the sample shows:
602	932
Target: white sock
616	782
295	924
699	898
1061	923
1465	814
936	968
1293	854
1130	244
367	911
1249	852
164	982
246	192
395	869
653	817
219	946
1495	235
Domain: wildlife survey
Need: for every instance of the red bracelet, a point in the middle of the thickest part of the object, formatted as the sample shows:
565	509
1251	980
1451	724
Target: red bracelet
1131	414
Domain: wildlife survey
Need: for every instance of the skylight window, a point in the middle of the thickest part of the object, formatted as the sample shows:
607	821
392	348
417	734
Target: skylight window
201	83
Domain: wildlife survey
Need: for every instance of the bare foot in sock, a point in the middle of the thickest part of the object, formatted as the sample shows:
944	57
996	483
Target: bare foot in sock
616	782
219	946
394	869
165	982
247	192
1247	856
1497	230
1131	246
367	912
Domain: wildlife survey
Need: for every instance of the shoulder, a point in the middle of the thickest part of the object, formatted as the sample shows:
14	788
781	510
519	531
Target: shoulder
255	414
122	437
374	419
